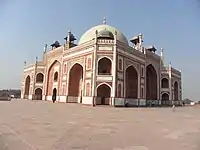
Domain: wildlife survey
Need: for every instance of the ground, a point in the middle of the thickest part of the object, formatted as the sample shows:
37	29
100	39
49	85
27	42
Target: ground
41	125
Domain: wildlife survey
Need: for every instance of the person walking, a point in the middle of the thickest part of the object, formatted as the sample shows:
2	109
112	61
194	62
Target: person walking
53	99
173	108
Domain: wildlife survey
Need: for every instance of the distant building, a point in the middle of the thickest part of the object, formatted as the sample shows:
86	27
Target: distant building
101	69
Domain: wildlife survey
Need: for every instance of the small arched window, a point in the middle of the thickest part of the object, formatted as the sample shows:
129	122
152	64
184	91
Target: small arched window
119	90
120	64
142	71
165	83
39	78
104	66
55	76
65	68
89	63
142	92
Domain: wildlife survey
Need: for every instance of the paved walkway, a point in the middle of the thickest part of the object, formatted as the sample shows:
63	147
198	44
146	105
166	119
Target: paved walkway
40	125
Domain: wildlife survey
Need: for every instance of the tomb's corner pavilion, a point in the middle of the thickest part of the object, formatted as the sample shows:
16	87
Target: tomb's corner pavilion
102	69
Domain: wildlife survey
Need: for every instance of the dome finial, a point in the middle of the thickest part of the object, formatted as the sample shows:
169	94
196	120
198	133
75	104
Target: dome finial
69	31
104	20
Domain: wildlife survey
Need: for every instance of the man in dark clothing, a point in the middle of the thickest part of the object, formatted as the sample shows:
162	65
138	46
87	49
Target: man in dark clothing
53	99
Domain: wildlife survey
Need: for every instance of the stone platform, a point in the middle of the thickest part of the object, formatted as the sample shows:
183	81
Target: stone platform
41	125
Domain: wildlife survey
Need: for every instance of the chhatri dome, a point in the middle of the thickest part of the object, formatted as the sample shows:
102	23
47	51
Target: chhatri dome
90	34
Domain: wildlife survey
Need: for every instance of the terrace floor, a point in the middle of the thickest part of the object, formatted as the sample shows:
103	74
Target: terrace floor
41	125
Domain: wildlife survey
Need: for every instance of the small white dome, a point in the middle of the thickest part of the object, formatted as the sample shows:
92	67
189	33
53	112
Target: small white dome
90	34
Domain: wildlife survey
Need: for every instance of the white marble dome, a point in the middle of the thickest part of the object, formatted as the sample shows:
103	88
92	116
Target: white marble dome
90	34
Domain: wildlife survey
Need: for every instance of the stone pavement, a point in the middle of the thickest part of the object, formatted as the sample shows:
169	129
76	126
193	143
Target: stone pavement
41	125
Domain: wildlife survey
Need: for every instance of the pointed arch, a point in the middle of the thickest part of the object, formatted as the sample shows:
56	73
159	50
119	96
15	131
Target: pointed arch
104	66
27	85
104	83
55	76
103	94
175	90
38	94
75	80
165	83
89	63
151	83
120	64
165	96
50	77
165	99
39	78
131	82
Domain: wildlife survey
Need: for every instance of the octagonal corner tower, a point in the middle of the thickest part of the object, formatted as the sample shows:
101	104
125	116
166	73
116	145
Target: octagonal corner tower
90	34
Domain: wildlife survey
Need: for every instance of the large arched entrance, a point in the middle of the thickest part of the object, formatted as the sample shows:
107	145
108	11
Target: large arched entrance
51	77
75	84
151	83
165	99
38	94
103	95
104	66
131	83
176	90
27	87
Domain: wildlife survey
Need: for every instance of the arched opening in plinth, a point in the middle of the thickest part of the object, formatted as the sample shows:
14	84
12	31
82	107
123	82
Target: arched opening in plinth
103	95
75	83
165	99
54	94
39	78
151	83
38	94
104	66
165	83
175	90
165	96
131	82
27	87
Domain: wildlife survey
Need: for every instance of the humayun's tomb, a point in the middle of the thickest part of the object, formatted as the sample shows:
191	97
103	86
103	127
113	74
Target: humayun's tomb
102	69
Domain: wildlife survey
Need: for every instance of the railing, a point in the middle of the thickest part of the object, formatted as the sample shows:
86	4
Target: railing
105	41
108	74
26	96
152	103
128	102
39	82
102	101
37	97
166	103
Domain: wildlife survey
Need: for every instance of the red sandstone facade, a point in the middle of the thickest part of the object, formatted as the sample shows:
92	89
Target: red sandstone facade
101	69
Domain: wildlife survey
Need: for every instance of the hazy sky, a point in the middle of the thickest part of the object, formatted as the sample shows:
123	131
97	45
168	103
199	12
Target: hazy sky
25	26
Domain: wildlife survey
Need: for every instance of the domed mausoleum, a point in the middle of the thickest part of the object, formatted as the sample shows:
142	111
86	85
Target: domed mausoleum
104	28
102	69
